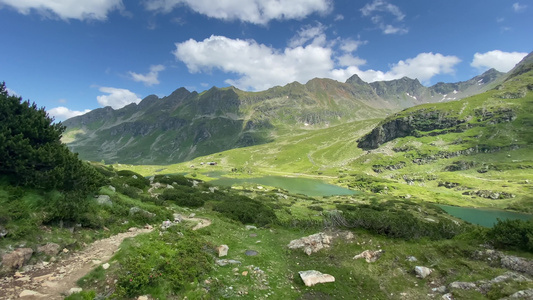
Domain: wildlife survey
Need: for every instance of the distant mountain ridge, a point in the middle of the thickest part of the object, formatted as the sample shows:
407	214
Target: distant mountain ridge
187	124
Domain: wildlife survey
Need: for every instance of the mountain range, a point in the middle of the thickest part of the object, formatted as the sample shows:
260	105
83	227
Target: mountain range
185	125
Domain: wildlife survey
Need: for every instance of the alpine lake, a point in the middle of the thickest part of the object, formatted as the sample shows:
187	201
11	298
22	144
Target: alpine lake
316	188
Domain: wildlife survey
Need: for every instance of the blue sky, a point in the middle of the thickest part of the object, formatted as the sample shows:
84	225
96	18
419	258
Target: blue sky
72	56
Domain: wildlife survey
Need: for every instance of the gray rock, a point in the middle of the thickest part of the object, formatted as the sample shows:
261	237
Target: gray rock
32	294
313	277
311	244
135	210
250	227
422	272
411	258
369	256
112	188
222	250
104	200
461	285
3	231
51	249
251	253
525	294
17	258
225	262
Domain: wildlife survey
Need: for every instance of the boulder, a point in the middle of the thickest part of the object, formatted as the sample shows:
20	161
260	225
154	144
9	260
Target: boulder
525	294
461	285
422	272
313	277
32	294
17	258
369	256
51	249
104	200
222	250
311	244
225	262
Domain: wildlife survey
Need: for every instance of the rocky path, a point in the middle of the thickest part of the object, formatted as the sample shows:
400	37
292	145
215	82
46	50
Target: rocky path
55	280
58	279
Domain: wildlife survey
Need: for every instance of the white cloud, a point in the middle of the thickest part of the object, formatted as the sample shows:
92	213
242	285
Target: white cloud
259	67
11	92
517	7
349	45
423	67
117	98
149	78
315	34
382	6
338	18
62	113
252	11
499	60
67	9
379	10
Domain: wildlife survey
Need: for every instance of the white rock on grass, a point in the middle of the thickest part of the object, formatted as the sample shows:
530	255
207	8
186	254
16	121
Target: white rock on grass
313	277
222	250
422	272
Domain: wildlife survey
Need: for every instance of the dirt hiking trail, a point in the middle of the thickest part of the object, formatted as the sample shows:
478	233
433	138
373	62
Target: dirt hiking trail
56	280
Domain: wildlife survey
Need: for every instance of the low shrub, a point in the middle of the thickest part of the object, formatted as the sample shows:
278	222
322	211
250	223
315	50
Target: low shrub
169	261
512	234
246	210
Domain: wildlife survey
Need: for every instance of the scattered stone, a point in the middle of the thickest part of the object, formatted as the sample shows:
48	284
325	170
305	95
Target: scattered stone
244	273
250	227
29	293
148	226
104	200
105	266
42	278
135	210
251	253
17	258
222	250
112	188
422	272
461	285
166	224
192	215
441	289
510	262
312	243
369	256
142	298
525	294
132	229
3	231
313	277
253	234
225	262
74	290
447	296
411	258
50	249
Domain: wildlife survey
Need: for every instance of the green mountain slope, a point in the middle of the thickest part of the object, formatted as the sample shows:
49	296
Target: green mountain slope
185	125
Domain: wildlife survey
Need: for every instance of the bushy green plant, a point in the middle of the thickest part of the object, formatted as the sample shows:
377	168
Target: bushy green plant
512	234
172	178
395	223
184	196
246	210
171	261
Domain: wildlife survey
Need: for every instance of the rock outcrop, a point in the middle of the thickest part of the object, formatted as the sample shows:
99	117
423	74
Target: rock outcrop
17	258
313	277
311	244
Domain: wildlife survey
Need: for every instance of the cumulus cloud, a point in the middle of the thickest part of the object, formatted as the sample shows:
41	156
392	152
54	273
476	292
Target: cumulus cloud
517	7
149	78
67	9
314	34
62	113
379	12
259	67
499	60
423	67
252	11
116	98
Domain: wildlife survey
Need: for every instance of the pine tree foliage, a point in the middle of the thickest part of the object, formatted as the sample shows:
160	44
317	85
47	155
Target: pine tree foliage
31	151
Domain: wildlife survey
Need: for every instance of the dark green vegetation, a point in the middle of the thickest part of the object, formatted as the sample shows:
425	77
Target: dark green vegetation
185	125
